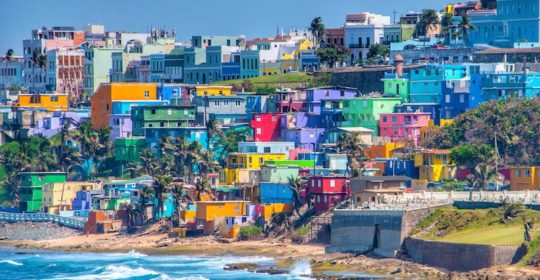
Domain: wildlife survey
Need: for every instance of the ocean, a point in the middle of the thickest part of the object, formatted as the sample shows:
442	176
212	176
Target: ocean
37	264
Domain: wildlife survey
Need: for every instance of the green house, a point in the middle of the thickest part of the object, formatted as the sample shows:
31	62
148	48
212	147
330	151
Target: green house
278	173
168	116
31	186
396	86
365	112
128	149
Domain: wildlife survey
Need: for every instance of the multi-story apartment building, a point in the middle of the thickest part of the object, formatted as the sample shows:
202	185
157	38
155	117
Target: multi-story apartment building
44	40
65	72
363	30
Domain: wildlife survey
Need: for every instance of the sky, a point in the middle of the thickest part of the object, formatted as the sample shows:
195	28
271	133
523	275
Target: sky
253	18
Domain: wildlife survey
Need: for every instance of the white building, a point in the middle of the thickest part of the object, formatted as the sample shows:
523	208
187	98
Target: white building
363	30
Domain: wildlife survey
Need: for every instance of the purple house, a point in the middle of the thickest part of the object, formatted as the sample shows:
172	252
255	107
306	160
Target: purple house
299	120
304	138
316	95
52	124
121	126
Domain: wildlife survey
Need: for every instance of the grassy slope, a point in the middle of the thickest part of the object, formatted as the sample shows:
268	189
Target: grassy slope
274	80
476	226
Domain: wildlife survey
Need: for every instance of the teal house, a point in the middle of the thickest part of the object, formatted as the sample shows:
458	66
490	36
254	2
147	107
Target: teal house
166	116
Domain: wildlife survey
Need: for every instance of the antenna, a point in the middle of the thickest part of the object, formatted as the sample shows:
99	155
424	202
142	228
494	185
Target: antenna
395	13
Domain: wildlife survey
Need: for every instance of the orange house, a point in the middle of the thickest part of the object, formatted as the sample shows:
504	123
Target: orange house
382	151
48	102
524	178
101	101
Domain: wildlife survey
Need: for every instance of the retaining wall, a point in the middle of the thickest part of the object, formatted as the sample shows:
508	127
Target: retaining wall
461	257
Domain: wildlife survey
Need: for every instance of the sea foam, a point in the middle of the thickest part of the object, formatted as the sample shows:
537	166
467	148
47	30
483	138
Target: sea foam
11	262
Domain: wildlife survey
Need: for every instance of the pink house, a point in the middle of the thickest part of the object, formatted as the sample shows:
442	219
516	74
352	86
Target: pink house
403	126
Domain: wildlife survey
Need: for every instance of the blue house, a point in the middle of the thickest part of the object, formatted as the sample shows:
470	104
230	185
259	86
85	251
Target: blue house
275	193
511	22
171	91
192	134
400	167
501	85
309	61
426	84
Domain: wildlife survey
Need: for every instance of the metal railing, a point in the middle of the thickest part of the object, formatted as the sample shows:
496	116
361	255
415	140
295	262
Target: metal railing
71	222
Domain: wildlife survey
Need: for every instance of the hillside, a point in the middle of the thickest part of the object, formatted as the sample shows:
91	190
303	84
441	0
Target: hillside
481	226
511	125
290	80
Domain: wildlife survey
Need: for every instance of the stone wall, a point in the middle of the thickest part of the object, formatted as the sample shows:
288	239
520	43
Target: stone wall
461	257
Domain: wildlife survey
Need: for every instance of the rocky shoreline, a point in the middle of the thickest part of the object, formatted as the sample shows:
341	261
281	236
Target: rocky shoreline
34	231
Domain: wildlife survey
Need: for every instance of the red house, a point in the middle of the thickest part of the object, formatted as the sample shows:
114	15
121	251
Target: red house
328	190
266	127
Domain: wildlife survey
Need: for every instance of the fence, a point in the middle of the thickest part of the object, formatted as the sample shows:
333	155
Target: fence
77	223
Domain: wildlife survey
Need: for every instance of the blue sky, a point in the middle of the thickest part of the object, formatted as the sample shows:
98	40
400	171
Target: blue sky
253	18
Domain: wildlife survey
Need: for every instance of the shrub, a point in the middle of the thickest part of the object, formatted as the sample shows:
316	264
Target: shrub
250	232
303	230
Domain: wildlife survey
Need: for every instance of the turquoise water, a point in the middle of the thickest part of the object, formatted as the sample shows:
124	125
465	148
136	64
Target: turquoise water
34	264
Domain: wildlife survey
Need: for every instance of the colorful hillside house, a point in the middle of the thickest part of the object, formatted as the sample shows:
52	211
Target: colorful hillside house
328	191
31	188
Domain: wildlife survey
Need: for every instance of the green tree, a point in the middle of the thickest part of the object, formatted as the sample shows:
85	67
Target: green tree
317	29
464	26
429	19
471	155
378	50
330	55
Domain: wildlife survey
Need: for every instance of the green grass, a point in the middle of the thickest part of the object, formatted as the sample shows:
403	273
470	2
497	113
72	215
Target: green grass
273	80
482	226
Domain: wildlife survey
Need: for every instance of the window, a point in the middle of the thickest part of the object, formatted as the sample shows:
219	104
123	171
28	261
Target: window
394	118
332	183
259	131
461	98
384	119
153	111
146	94
258	118
161	124
319	183
447	98
54	98
261	160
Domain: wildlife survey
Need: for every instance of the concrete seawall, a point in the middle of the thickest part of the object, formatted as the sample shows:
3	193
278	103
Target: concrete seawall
379	231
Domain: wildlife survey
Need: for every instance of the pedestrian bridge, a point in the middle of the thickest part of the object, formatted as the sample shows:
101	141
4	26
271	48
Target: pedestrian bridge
71	222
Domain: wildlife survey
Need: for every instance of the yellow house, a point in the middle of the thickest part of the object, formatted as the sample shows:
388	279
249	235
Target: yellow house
524	178
49	102
251	160
101	101
214	90
434	165
58	196
210	210
240	176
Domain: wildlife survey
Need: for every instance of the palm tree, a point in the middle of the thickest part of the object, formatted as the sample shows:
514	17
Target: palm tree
353	147
446	24
201	186
428	22
317	30
135	169
483	174
464	26
161	184
146	193
213	129
9	55
180	197
297	184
